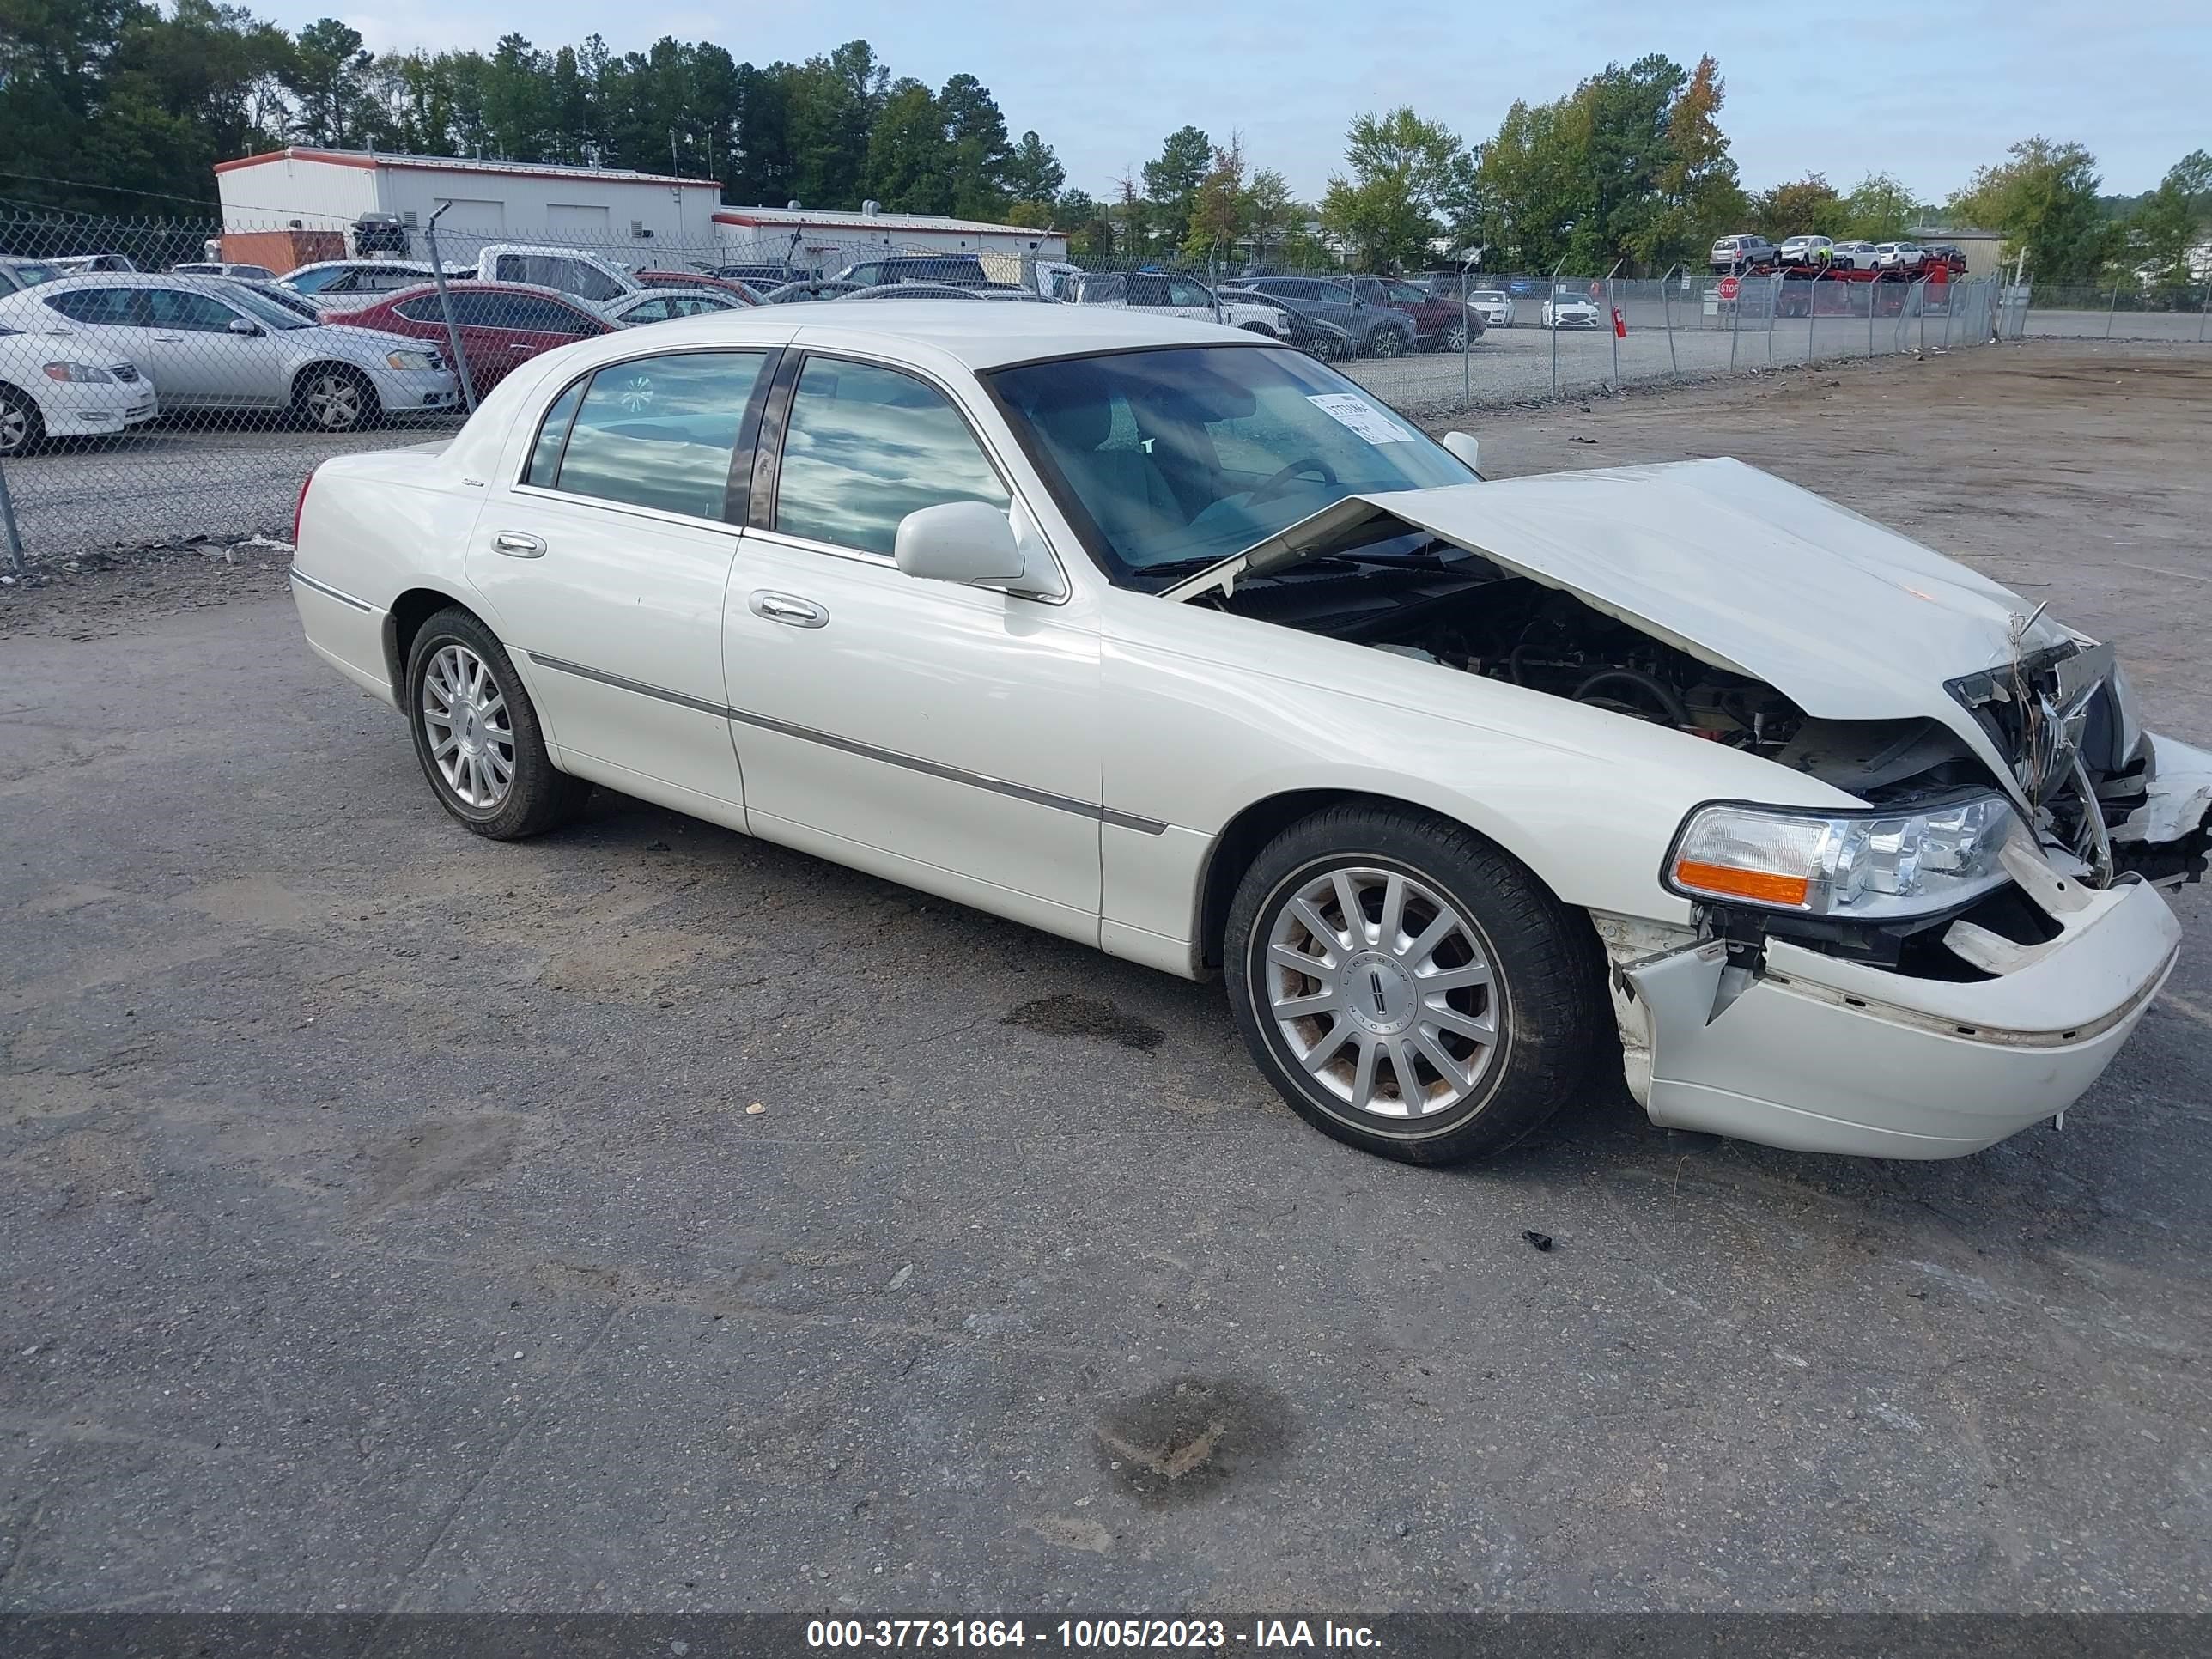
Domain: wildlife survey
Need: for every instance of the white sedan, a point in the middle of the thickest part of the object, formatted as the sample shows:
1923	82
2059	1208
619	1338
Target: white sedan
1163	637
662	305
1494	305
1565	313
53	388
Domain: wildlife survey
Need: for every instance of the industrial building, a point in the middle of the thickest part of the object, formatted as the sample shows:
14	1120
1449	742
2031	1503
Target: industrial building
312	203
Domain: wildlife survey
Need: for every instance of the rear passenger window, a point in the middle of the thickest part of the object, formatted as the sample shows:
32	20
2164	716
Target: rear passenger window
656	432
867	445
545	453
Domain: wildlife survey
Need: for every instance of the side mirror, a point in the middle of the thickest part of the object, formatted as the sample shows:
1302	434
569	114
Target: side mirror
1467	447
962	542
242	325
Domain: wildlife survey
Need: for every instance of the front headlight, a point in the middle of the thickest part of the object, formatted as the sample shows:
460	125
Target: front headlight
1876	866
411	359
78	373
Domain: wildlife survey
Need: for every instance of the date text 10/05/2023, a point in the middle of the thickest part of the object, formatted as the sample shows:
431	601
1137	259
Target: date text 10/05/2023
1088	1635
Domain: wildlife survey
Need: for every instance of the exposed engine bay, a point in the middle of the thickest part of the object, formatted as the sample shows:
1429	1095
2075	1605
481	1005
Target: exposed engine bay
2058	715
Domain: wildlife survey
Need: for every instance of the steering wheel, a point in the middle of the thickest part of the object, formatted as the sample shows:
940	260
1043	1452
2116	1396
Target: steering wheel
1276	485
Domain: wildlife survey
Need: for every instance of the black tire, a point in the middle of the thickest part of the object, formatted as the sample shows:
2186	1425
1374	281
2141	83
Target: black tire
22	427
1547	1001
539	797
1386	343
335	397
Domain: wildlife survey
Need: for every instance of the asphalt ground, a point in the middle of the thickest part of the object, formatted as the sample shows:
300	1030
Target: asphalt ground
648	1219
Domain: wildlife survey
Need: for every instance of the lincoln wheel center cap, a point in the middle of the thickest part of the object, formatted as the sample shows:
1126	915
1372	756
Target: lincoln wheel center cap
1379	993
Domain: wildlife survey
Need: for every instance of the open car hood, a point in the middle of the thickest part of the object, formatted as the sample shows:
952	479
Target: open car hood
1735	566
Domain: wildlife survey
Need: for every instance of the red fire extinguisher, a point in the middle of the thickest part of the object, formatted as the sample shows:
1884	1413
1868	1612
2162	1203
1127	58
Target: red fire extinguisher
1620	325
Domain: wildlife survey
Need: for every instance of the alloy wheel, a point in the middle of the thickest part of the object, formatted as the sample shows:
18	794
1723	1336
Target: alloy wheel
334	402
14	426
471	734
1382	992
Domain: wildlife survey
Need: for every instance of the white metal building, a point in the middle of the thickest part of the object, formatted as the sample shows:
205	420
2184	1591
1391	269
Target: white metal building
828	240
636	217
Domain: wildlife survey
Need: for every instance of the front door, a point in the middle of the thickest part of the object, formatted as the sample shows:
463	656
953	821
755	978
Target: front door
605	558
953	729
195	357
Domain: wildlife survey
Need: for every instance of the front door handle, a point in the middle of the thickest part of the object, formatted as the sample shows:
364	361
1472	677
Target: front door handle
516	545
788	609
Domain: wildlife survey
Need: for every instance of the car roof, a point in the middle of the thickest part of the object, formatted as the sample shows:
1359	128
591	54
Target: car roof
978	337
476	285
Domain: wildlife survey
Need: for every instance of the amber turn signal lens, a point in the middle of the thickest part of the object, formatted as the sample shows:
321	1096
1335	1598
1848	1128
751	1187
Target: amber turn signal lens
1765	886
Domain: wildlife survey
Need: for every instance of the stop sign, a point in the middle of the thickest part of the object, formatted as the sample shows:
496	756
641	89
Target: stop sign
1730	288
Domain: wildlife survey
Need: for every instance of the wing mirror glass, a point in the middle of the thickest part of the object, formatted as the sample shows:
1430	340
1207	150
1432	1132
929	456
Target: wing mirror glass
242	325
963	542
1467	447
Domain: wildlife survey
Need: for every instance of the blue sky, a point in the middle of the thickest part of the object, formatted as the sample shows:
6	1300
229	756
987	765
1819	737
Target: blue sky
1926	90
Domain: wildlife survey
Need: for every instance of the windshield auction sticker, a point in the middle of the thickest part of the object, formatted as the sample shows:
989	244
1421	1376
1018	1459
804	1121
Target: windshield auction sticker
1355	413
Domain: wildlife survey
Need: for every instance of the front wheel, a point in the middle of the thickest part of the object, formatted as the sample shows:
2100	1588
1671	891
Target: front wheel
1455	336
1386	343
1409	988
336	399
477	736
21	428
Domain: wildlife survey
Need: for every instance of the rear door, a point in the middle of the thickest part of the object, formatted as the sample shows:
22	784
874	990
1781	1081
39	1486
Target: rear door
606	554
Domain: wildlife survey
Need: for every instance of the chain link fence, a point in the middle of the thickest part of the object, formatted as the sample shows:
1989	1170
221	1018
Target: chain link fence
2053	311
173	382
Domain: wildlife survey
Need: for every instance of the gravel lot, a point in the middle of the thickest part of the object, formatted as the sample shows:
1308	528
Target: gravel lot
648	1219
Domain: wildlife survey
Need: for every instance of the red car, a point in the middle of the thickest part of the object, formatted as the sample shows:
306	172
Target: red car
696	279
501	324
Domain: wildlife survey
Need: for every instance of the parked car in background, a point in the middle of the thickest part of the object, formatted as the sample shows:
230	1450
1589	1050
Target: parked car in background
1851	256
501	325
1477	798
1171	293
1056	279
221	268
943	291
766	277
1570	309
1897	256
1805	250
17	275
812	288
565	269
661	304
79	265
956	268
1375	331
214	343
277	292
1494	305
1323	341
743	292
341	284
1738	254
1438	324
53	387
1948	255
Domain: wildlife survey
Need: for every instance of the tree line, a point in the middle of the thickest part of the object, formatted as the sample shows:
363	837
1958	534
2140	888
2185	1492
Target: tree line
119	106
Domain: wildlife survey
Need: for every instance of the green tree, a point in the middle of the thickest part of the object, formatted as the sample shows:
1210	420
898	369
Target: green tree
1033	173
1218	211
1879	209
909	158
1271	212
1089	226
325	76
1171	182
830	109
976	132
1804	207
2043	200
1403	169
2169	223
1700	193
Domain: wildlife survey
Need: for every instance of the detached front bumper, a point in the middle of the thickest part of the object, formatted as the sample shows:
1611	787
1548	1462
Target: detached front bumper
1820	1055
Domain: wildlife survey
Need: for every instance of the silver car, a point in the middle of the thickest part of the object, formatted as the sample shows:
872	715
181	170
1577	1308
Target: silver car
211	343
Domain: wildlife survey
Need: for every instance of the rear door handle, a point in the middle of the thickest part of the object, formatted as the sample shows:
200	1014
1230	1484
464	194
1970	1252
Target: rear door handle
517	545
787	609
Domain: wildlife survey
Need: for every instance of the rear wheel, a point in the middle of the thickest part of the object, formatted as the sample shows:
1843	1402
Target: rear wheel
1387	342
1455	336
332	398
476	733
1409	988
20	427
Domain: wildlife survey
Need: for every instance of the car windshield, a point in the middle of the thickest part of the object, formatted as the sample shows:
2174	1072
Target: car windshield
263	309
30	274
1173	459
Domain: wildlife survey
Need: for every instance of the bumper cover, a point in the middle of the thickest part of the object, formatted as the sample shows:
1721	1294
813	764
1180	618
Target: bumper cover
1820	1055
